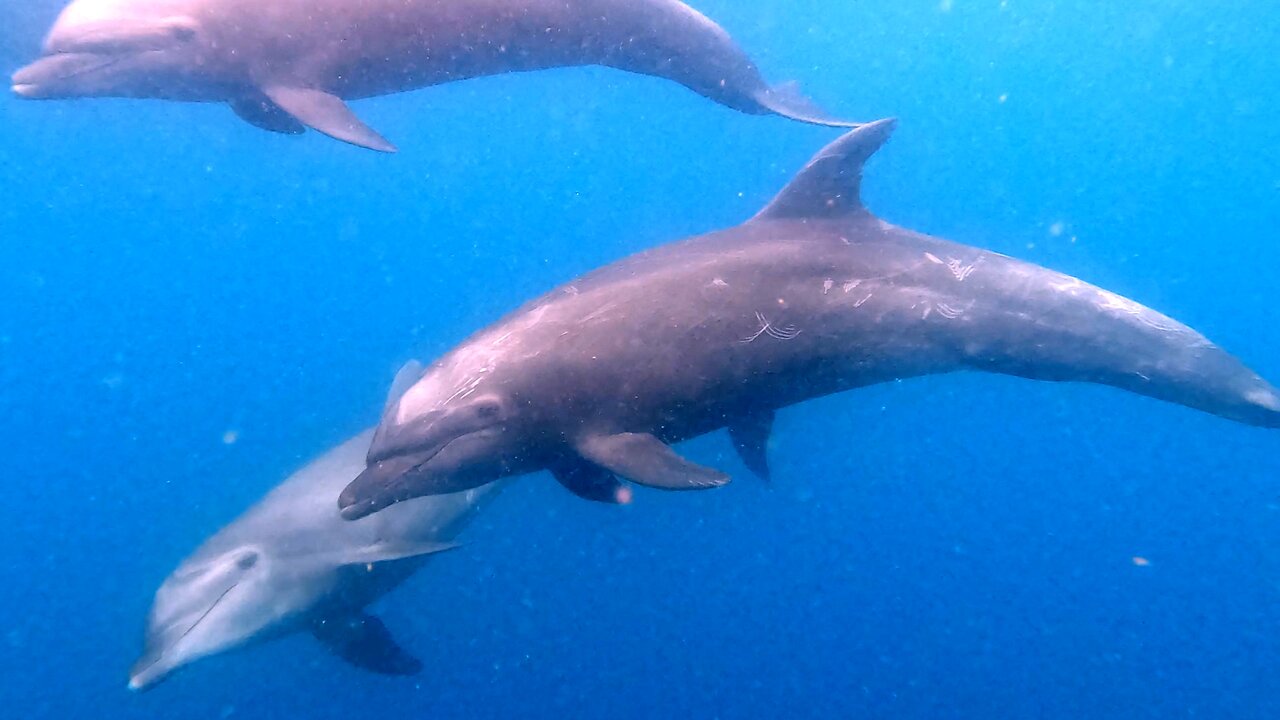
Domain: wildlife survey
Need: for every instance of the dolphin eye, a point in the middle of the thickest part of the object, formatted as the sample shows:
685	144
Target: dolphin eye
247	560
488	411
182	29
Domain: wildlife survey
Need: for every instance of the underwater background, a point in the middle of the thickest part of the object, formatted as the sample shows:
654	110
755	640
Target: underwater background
191	308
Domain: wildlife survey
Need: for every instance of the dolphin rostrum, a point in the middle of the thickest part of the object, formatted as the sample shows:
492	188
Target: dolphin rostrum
814	295
290	564
284	65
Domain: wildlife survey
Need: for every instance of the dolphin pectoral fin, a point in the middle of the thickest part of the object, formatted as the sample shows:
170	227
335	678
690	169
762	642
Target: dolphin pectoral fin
750	436
391	551
644	459
787	100
365	642
591	482
260	112
328	114
830	186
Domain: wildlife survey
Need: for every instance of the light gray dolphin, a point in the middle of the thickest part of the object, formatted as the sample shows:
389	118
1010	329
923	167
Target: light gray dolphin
288	64
814	295
290	564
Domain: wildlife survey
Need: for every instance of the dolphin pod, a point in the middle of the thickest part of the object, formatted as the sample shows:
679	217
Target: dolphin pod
290	564
285	65
814	295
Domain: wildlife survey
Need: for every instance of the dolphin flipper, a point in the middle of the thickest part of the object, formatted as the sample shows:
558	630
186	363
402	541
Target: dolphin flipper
750	436
389	552
364	641
644	459
260	112
328	114
591	482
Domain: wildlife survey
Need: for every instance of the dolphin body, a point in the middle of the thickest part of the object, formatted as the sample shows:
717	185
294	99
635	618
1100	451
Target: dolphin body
284	65
290	564
814	295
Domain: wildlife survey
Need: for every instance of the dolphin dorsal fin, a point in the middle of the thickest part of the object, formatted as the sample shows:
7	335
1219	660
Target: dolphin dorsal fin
829	186
406	376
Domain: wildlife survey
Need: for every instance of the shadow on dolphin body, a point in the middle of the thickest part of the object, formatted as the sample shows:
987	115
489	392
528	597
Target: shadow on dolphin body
814	295
285	65
291	564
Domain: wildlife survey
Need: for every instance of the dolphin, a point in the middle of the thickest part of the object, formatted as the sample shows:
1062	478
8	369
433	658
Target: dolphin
290	564
814	295
285	65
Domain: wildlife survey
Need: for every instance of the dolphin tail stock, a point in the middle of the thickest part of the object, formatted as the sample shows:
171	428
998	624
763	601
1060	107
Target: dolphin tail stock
786	100
1083	333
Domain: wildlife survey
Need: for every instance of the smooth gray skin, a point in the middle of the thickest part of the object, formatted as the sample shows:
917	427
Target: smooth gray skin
286	64
290	564
813	296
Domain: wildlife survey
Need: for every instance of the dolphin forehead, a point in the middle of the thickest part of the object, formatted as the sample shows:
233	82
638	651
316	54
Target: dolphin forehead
89	12
118	24
463	372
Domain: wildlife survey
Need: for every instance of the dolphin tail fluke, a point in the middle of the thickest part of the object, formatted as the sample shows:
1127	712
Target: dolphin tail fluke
787	100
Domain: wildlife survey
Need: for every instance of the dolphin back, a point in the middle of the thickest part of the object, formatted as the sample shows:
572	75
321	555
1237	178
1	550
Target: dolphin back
975	309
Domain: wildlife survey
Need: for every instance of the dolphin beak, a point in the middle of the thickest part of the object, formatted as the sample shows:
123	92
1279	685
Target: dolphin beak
59	75
146	672
382	484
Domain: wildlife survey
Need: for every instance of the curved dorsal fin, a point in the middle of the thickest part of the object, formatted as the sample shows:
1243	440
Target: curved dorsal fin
407	376
829	185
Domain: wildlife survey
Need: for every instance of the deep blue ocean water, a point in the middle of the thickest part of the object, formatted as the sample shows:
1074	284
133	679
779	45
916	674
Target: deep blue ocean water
951	547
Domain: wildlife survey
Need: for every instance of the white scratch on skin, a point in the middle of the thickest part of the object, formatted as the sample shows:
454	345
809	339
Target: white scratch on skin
600	311
933	258
851	285
863	300
826	286
1112	301
718	282
959	271
925	315
949	312
788	332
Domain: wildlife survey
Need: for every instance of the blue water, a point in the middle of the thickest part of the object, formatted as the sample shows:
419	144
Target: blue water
172	279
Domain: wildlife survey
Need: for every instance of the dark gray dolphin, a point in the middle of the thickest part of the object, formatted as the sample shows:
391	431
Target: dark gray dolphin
286	64
290	564
813	296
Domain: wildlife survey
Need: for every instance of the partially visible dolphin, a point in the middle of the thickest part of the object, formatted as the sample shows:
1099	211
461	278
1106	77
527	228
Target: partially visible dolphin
814	295
286	64
290	564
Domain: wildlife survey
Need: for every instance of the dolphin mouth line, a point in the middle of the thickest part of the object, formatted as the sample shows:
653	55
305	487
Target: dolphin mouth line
397	486
31	89
205	614
133	684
